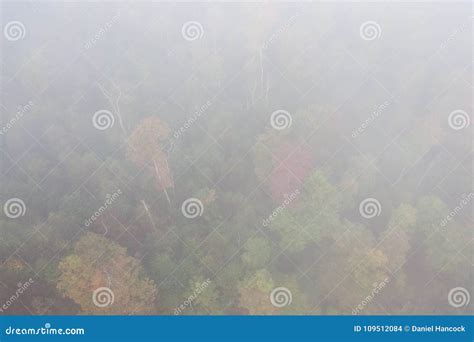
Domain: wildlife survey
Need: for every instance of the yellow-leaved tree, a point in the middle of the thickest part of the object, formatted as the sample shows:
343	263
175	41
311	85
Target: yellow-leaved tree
102	279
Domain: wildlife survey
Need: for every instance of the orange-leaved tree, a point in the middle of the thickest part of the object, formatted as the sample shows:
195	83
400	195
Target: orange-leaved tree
102	279
145	148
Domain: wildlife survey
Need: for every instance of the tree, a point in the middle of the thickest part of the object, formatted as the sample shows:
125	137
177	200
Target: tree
315	216
96	263
204	294
145	149
255	293
396	240
257	252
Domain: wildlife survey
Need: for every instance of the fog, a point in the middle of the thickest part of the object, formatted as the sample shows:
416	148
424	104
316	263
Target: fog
173	158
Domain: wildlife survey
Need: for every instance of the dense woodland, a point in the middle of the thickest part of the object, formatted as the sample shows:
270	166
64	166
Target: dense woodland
192	119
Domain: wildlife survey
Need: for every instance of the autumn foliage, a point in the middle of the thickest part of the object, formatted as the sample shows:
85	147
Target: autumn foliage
97	262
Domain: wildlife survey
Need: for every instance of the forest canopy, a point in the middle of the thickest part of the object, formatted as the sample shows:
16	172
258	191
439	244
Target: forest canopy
236	158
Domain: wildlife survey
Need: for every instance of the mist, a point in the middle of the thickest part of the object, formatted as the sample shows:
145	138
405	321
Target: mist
251	158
